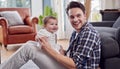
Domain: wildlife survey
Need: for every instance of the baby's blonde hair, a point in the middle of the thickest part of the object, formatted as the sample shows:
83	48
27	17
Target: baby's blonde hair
45	20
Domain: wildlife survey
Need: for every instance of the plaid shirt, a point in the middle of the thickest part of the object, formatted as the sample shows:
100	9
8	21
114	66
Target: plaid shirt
85	48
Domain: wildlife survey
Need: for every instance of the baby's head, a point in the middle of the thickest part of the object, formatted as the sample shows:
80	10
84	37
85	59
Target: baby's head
50	24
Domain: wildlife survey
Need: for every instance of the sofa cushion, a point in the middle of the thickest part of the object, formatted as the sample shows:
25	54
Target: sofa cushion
13	17
117	23
106	29
110	47
103	24
112	63
118	35
20	29
109	42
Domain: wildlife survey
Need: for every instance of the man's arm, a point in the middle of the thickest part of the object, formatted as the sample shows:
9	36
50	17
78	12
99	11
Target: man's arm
66	61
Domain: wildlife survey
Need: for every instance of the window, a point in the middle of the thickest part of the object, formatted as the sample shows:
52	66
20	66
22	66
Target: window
95	10
15	3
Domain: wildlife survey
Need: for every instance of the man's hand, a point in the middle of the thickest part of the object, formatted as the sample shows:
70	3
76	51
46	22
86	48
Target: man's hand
44	43
62	51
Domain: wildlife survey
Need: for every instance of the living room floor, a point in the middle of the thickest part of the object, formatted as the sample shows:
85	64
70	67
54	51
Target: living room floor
13	47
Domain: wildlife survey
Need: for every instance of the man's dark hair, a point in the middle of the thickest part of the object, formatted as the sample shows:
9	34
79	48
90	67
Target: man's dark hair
74	4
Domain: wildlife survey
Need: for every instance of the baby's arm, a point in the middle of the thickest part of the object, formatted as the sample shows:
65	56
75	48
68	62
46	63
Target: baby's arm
39	34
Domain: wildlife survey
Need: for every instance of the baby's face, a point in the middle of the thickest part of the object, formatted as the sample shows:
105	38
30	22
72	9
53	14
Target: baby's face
52	25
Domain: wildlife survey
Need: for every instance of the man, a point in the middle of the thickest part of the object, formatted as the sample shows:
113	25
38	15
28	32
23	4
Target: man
83	52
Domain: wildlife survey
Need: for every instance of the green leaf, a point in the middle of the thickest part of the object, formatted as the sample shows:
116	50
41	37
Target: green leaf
47	12
41	19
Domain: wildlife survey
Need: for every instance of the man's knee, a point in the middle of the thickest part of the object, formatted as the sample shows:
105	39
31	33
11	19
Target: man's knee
29	45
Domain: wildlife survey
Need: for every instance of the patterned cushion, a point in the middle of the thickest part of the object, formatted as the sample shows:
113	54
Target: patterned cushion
13	17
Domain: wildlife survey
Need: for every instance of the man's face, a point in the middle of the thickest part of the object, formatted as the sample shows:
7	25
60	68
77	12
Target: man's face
77	18
52	25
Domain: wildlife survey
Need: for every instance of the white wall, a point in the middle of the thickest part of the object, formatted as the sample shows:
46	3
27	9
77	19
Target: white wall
117	4
36	7
110	4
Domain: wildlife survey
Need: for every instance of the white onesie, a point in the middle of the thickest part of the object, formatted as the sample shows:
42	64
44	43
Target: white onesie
51	38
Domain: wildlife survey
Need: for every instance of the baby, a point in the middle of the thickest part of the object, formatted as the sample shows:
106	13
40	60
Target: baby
50	27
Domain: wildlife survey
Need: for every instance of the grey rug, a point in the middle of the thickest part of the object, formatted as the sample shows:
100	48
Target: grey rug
30	65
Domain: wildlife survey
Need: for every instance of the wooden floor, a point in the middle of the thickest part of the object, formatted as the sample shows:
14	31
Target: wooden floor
12	48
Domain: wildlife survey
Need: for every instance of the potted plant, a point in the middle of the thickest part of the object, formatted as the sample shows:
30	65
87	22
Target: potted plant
47	12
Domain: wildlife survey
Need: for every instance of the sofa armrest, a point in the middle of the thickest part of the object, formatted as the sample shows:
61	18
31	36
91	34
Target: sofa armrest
31	22
103	24
4	24
27	21
109	44
35	20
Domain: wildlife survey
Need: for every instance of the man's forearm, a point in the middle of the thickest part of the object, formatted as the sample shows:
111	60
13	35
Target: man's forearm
66	61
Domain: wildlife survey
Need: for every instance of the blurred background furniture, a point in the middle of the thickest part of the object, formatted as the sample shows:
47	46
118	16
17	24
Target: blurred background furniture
110	49
109	17
1	36
15	32
114	24
110	14
110	41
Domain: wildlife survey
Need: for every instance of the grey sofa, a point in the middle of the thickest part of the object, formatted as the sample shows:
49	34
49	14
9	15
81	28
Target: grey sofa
113	24
110	50
110	14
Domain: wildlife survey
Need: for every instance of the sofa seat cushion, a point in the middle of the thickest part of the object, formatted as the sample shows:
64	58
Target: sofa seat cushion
20	29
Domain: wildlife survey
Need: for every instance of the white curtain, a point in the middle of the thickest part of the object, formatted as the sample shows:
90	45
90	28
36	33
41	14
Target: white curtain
110	4
58	7
117	4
